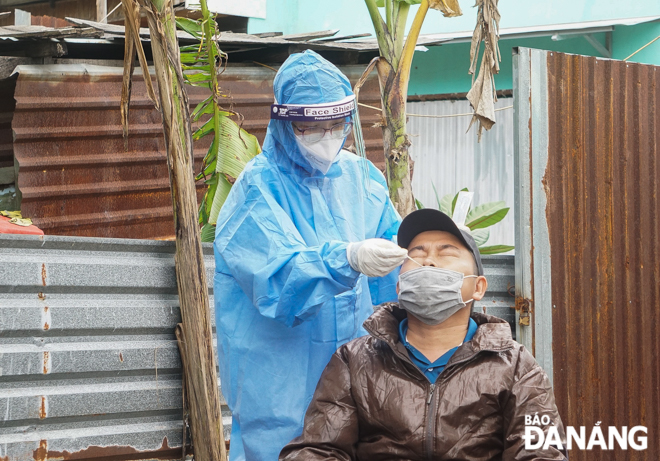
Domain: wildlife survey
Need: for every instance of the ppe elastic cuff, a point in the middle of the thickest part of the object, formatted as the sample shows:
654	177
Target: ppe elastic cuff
351	254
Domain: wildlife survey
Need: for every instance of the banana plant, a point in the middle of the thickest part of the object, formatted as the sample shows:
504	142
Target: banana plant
194	336
478	220
393	67
232	147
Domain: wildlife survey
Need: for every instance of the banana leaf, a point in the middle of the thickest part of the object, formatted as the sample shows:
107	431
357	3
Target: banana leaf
208	232
449	8
201	108
453	202
486	215
198	68
191	26
436	196
193	57
495	249
445	203
232	147
221	193
480	236
197	78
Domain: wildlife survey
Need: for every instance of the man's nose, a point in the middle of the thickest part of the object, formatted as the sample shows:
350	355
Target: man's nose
430	262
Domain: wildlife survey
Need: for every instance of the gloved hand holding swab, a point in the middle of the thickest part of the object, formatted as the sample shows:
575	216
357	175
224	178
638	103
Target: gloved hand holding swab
375	257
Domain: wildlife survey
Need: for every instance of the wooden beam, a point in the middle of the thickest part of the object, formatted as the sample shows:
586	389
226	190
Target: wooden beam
40	32
309	35
343	37
9	63
33	48
102	11
22	18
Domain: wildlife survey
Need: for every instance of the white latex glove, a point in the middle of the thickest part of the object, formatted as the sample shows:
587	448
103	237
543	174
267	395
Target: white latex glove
375	257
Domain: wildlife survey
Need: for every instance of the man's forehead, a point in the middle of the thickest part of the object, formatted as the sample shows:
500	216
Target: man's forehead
431	238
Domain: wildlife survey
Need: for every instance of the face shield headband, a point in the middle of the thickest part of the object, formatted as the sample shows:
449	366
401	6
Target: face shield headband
314	112
337	110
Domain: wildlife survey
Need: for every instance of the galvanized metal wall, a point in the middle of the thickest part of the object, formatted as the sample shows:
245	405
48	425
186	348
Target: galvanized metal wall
450	159
75	176
595	171
499	299
89	365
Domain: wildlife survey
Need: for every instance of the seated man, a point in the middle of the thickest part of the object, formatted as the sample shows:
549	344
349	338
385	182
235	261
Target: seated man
432	381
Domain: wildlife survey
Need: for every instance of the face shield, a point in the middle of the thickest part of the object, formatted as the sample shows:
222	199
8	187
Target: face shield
321	130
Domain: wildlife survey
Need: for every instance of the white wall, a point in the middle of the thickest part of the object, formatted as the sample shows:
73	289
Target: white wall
446	156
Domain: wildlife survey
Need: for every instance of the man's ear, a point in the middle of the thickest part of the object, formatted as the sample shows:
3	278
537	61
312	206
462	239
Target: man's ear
479	289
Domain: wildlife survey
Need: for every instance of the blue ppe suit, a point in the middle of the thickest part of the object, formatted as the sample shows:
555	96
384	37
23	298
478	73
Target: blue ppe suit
285	295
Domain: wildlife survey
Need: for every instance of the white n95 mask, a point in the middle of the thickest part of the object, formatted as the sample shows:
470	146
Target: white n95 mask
432	294
321	154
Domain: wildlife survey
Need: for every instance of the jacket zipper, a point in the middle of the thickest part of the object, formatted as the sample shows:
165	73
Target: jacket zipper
430	423
432	411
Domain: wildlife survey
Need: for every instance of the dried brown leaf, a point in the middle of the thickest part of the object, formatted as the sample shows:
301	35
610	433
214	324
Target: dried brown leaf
449	8
482	95
132	22
482	98
129	67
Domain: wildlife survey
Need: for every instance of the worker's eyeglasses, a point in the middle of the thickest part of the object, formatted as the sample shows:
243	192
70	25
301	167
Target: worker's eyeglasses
316	133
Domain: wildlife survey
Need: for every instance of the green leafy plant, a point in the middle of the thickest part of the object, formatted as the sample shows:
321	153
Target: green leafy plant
478	219
396	48
232	146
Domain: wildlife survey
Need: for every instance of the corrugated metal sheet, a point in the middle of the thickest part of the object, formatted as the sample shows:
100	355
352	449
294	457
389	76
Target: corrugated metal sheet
602	147
450	159
49	21
76	178
499	299
533	300
88	358
89	362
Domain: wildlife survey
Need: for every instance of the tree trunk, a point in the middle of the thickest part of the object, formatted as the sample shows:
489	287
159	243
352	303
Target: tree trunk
199	361
395	139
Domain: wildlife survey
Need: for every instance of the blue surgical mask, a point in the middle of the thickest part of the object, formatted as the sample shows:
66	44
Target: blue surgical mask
432	294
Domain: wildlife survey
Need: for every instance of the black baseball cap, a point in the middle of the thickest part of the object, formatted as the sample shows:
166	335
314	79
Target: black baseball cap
428	219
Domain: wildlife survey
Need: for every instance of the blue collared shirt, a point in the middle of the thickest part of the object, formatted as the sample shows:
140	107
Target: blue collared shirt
431	370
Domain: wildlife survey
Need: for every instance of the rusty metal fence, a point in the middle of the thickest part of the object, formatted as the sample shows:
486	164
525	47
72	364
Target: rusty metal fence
89	366
588	240
74	174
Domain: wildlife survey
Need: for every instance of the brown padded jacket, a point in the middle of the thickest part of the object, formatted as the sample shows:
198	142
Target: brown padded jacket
372	403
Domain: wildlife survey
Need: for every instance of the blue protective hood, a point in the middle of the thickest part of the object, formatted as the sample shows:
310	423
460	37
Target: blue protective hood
304	78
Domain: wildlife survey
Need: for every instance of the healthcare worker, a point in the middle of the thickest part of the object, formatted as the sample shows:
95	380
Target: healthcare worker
303	252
